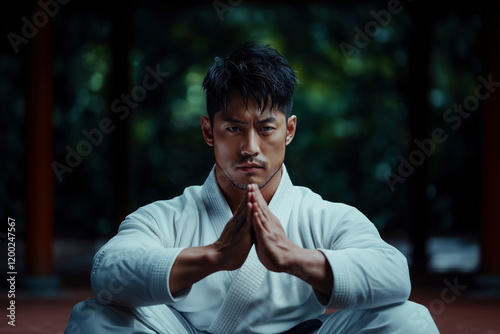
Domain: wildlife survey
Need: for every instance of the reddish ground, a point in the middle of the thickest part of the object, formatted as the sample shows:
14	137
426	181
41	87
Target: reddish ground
460	315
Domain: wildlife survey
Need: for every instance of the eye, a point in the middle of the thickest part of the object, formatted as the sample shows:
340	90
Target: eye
233	129
267	128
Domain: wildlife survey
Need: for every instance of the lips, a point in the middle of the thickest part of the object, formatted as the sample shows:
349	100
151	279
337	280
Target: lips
249	168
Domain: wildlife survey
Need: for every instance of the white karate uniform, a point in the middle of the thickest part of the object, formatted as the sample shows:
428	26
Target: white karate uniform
130	274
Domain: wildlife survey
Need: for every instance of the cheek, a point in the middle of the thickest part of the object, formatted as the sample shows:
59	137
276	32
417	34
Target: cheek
223	147
275	146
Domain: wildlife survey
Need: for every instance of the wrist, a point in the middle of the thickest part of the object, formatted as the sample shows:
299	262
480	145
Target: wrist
214	258
220	258
292	260
302	262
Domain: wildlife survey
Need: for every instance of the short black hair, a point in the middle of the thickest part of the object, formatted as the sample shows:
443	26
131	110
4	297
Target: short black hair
258	72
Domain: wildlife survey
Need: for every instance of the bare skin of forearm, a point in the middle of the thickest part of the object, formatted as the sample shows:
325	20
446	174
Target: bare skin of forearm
191	265
312	267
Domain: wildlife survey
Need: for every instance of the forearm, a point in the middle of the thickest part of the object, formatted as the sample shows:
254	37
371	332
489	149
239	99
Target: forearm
312	267
191	265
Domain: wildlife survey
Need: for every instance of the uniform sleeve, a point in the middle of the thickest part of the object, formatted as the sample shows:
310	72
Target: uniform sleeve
367	272
133	268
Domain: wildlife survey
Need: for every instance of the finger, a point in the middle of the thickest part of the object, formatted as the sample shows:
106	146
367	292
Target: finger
259	198
261	204
250	223
248	198
249	213
253	193
258	225
250	194
255	204
262	219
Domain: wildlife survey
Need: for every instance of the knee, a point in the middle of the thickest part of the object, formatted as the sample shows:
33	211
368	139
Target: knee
89	316
79	318
407	317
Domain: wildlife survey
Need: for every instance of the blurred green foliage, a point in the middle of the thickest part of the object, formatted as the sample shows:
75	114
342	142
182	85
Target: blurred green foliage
352	115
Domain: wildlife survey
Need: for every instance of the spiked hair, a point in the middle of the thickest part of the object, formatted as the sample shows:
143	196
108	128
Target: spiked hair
258	72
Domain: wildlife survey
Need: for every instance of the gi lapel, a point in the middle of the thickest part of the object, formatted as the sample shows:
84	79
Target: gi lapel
246	280
243	288
217	208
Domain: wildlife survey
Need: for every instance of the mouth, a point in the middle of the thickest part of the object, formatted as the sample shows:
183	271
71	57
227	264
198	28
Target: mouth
249	168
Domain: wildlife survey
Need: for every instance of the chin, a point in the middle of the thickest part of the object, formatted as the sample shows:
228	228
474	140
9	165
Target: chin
243	182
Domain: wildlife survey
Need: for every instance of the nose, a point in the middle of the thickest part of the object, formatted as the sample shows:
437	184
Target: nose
250	144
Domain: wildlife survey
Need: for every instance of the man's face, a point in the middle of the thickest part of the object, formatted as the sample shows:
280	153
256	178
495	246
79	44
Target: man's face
249	145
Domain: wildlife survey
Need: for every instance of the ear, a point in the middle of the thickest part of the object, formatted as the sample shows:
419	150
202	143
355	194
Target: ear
290	129
206	129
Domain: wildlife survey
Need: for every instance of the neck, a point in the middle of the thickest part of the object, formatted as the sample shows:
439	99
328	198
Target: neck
235	195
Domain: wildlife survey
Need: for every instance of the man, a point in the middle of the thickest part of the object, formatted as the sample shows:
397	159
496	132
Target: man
248	252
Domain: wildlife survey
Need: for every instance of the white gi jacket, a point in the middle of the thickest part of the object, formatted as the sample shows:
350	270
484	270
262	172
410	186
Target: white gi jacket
132	269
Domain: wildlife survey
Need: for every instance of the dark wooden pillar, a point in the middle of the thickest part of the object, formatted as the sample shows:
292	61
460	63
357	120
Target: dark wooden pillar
40	143
490	222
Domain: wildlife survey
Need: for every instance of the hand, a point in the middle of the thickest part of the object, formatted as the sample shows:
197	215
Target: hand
235	241
278	253
273	247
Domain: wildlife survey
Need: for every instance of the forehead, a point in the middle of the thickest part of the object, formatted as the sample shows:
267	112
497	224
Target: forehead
237	109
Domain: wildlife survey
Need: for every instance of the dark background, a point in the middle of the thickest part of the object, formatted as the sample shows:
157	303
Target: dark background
356	116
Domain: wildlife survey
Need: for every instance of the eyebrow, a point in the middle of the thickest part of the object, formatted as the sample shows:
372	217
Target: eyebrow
234	120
